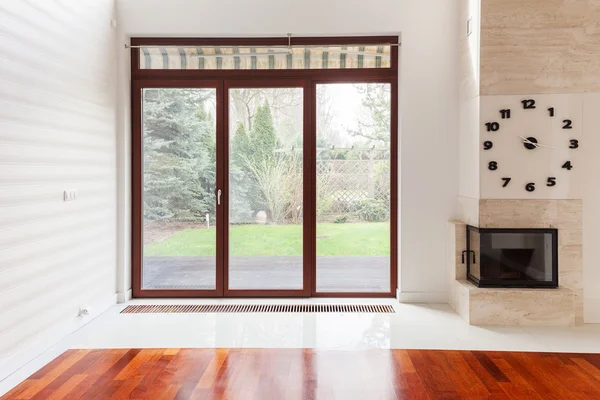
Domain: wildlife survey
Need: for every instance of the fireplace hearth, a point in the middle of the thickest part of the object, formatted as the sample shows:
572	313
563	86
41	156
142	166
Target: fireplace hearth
512	257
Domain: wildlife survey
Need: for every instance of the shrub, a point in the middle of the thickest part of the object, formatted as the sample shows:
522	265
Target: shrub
371	210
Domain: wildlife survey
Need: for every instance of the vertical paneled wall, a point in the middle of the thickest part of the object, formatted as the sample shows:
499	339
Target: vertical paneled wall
57	133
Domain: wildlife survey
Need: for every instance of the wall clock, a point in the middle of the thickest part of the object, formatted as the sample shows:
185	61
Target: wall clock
531	147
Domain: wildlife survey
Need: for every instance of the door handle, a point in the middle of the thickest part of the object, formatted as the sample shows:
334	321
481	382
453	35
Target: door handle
219	197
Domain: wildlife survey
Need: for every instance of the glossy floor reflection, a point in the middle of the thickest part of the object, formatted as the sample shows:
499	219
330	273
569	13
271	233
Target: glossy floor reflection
432	326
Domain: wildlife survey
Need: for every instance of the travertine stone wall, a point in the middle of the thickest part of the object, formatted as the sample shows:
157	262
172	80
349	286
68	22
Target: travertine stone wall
523	47
539	46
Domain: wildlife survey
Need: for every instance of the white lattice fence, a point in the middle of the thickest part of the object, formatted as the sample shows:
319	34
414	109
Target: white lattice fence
342	184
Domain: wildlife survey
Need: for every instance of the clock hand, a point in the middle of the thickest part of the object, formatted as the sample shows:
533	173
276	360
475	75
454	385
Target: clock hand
544	145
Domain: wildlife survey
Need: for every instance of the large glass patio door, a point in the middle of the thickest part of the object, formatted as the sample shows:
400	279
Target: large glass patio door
266	187
265	196
179	155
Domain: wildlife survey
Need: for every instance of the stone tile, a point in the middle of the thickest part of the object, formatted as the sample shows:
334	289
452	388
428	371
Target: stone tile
568	237
460	299
571	279
518	213
539	46
570	257
522	307
461	244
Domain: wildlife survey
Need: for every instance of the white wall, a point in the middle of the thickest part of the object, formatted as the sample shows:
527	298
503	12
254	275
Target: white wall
428	101
57	132
591	208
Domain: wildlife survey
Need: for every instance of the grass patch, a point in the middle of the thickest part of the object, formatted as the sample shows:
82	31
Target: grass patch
353	239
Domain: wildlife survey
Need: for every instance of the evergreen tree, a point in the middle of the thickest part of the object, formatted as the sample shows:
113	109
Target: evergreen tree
263	136
241	182
240	145
179	155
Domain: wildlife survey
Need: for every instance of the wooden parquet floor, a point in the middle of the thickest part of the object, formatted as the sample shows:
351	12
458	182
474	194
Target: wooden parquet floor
312	374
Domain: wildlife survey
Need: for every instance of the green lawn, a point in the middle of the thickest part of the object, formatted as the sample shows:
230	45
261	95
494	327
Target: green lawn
356	239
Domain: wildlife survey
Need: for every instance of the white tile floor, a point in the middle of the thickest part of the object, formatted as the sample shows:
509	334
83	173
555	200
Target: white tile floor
432	326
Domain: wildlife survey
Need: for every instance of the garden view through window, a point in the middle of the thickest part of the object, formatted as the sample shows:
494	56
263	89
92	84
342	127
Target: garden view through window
353	187
266	188
179	183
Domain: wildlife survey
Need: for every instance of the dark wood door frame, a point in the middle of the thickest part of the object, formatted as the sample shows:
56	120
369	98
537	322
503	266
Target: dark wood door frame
137	185
222	80
307	223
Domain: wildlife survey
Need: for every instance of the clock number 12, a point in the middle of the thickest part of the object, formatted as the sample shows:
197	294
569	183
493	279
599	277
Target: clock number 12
528	104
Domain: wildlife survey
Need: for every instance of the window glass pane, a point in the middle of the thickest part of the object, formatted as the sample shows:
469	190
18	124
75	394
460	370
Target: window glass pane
353	187
266	186
179	147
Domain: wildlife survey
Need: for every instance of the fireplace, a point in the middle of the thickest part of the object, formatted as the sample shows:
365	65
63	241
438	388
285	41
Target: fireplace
512	257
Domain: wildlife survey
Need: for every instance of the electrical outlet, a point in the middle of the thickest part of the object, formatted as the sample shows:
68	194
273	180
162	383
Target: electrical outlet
84	311
70	195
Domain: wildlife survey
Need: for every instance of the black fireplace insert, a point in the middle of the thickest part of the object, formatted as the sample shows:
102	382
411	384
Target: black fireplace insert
512	257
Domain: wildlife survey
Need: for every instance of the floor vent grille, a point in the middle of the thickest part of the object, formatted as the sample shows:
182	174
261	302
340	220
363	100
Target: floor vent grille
258	308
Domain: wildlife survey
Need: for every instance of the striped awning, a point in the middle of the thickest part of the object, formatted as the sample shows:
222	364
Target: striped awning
234	58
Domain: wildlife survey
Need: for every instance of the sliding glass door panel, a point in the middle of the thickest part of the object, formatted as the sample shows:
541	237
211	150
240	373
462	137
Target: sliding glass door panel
353	194
178	190
266	186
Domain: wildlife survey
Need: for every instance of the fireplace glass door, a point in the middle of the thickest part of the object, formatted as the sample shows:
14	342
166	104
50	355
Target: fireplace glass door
512	257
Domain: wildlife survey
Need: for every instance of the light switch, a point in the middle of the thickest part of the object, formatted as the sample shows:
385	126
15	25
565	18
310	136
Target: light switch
70	195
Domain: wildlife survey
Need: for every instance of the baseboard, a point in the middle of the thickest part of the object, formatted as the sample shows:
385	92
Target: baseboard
21	365
422	297
124	297
591	310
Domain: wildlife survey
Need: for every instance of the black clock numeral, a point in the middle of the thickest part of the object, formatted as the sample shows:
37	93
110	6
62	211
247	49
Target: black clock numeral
492	126
528	104
505	113
530	187
506	180
551	111
487	145
493	165
567	124
574	144
567	165
551	182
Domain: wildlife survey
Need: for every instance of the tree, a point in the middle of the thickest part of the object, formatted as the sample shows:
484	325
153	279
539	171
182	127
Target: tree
375	116
263	136
241	183
179	154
